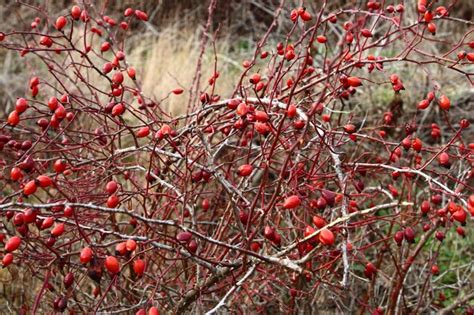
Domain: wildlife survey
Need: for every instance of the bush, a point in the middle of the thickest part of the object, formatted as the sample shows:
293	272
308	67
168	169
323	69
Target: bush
289	194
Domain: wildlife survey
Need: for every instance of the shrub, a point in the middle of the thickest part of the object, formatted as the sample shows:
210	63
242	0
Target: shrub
289	194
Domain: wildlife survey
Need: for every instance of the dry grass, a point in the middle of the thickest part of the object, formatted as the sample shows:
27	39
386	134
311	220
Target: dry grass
168	60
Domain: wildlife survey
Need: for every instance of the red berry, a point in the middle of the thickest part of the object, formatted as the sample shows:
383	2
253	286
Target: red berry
354	81
143	132
131	245
113	201
118	109
59	166
262	128
141	15
13	118
112	264
409	235
425	206
269	233
111	187
444	102
205	204
7	259
68	280
292	111
417	144
254	246
117	78
21	105
117	92
350	128
84	16
233	103
299	124
464	123
305	16
398	237
184	237
423	104
332	18
47	223
107	67
294	15
439	236
139	266
309	230
319	221
321	39
76	12
64	98
292	202
60	23
57	230
60	112
329	196
131	73
16	174
460	231
436	199
370	270
261	116
68	211
244	217
128	12
53	103
443	159
44	181
430	96
13	244
349	37
30	188
290	55
428	16
245	170
45	41
19	219
326	237
121	248
242	109
166	130
460	216
366	32
105	46
177	91
70	116
431	28
255	78
192	246
35	90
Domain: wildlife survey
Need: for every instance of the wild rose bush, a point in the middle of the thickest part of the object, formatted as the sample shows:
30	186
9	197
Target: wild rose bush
279	197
